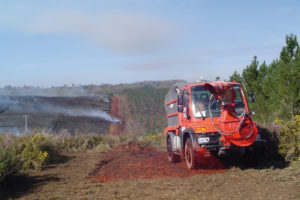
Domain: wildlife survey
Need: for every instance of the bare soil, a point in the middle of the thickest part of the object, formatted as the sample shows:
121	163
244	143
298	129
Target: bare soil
144	173
132	161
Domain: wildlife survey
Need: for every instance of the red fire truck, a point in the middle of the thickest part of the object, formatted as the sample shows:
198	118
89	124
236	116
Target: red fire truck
211	115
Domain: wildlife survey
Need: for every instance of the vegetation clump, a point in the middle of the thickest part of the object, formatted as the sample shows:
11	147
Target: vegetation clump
10	150
32	155
289	139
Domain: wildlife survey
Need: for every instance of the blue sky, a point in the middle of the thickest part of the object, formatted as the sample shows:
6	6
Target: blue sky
56	42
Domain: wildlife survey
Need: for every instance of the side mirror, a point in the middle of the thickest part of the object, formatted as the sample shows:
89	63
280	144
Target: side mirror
251	97
180	103
180	100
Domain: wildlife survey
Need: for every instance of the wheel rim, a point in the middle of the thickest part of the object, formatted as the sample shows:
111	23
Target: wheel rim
188	155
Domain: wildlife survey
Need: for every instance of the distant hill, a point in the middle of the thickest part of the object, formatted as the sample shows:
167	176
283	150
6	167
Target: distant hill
119	88
83	90
145	102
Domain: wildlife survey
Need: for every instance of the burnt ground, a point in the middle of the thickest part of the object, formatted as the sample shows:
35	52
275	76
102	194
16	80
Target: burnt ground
133	172
52	114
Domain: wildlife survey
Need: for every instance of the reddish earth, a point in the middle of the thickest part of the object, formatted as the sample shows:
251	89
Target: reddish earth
131	161
114	112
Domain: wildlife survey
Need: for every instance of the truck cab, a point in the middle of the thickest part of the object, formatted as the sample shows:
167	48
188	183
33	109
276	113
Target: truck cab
207	115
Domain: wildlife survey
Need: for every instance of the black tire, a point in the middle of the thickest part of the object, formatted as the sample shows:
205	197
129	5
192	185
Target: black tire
190	155
172	157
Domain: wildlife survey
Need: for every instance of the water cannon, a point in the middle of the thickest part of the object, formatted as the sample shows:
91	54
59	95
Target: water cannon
224	93
221	91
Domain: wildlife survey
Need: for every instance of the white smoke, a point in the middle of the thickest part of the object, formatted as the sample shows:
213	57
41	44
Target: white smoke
89	113
39	107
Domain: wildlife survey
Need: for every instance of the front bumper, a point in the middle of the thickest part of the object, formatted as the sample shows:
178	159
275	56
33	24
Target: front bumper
211	141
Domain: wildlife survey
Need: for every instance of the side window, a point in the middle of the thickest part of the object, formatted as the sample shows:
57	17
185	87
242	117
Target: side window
237	93
239	103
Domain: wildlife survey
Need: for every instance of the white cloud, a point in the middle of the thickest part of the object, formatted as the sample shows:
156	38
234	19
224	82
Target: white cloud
162	63
123	32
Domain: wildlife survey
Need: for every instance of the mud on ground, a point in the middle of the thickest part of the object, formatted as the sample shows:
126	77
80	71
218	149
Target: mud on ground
84	175
132	162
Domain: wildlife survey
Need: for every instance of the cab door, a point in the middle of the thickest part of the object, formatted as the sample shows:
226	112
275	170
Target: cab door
186	108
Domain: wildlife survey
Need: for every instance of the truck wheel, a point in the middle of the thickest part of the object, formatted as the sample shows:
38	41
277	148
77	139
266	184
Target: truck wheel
173	158
190	155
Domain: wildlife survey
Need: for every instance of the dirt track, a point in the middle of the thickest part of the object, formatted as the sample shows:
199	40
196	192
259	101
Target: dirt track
72	177
131	161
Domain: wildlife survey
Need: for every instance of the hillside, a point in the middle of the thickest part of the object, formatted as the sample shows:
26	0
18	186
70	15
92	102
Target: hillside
147	110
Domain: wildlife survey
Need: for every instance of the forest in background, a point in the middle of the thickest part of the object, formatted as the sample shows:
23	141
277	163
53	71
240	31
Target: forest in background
276	85
147	109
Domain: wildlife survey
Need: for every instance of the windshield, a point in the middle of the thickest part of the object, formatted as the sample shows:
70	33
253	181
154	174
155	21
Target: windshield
200	102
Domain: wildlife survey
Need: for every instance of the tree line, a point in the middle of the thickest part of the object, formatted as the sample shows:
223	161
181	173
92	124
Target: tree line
276	85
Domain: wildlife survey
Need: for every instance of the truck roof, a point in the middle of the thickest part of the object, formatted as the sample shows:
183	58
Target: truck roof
172	94
203	82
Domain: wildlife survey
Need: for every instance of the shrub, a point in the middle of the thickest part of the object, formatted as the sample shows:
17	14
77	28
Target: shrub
32	155
156	140
289	141
9	155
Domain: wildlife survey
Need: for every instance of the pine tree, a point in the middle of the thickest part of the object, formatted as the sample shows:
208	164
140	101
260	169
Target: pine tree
287	76
236	77
250	75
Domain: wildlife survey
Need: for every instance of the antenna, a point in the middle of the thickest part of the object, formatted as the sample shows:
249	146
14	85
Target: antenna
200	80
